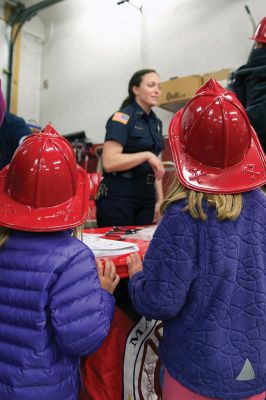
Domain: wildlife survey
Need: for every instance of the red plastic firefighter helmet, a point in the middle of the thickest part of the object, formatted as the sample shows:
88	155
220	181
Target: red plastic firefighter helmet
215	149
2	105
260	33
43	188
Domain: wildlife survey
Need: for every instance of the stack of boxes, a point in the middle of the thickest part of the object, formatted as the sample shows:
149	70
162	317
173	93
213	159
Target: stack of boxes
177	91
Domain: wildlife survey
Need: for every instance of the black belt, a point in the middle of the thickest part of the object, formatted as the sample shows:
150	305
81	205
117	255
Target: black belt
149	179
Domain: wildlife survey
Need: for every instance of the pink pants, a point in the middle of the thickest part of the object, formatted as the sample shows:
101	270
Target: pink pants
173	390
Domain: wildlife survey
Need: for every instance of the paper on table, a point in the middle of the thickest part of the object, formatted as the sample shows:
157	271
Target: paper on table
105	247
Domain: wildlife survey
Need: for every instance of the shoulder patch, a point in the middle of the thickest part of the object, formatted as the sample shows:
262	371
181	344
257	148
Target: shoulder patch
121	117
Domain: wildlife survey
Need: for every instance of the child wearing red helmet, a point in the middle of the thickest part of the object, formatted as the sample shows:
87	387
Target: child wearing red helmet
204	272
54	307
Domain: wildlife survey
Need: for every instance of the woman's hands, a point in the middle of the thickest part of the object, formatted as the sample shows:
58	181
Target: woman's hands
134	264
157	213
156	165
107	275
114	160
159	200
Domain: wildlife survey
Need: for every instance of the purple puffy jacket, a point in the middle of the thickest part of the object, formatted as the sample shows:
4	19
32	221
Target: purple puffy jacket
52	311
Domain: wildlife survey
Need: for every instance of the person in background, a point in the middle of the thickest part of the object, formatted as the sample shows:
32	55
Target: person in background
2	105
54	307
204	273
131	191
12	132
249	83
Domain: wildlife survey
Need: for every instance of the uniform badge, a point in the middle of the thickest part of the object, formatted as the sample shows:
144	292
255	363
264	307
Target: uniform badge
121	117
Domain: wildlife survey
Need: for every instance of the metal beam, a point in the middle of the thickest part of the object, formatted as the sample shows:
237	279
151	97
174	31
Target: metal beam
17	19
32	10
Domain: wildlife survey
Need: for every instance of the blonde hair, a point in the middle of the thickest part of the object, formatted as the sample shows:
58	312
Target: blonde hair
228	206
4	236
78	232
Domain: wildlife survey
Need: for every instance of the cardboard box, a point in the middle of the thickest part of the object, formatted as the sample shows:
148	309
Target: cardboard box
177	91
221	76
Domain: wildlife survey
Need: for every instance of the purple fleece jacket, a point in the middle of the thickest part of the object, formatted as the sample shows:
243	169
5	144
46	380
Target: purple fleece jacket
207	282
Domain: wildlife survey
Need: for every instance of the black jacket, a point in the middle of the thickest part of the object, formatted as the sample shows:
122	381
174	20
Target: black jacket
13	129
249	84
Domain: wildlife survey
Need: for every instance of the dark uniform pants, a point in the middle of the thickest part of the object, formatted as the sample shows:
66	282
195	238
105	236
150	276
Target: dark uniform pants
125	201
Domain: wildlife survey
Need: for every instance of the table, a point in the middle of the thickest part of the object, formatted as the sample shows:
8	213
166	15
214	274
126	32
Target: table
120	261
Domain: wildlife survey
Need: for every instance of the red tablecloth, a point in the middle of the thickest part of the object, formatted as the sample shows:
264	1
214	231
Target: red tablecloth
117	370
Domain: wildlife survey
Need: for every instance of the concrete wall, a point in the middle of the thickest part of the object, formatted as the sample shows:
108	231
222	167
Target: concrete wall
93	50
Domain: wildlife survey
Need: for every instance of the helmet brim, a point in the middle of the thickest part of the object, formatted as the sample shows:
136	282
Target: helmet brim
247	175
72	213
258	40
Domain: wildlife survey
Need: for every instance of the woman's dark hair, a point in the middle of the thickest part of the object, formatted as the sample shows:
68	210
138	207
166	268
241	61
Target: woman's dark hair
135	81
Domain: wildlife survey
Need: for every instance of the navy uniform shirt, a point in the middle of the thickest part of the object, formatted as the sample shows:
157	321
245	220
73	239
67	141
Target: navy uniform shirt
136	131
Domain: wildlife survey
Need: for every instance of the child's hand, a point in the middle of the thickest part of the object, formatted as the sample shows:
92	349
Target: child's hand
134	264
107	275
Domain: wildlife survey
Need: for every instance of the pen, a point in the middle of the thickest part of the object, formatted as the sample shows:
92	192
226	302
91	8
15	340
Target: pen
114	235
124	230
